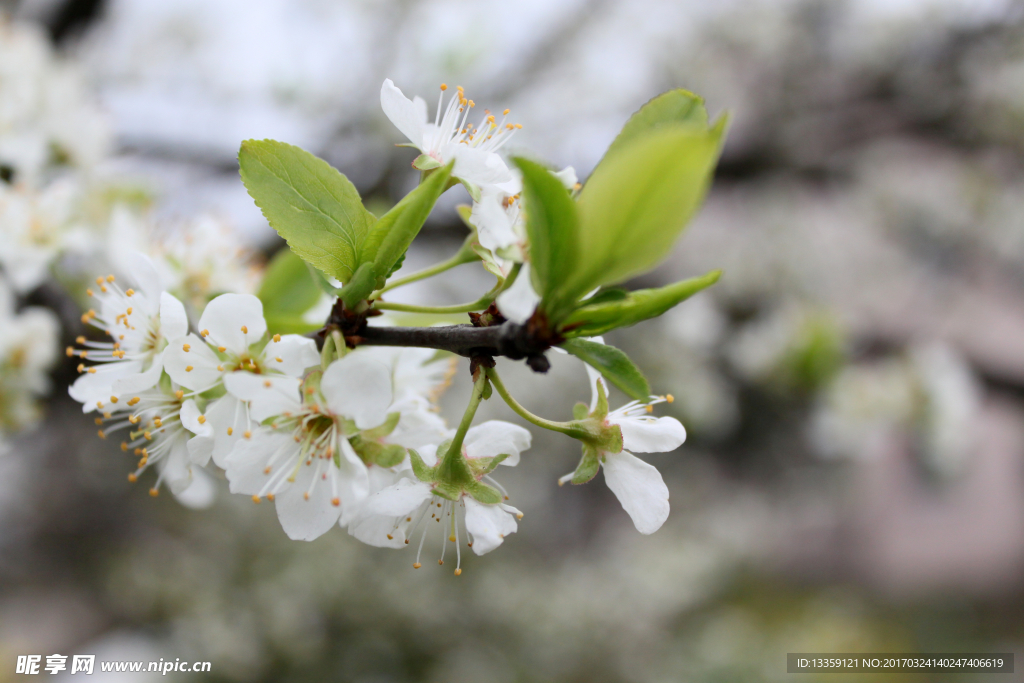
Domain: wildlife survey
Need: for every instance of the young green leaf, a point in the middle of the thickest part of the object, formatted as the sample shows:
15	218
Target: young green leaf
616	366
552	227
598	317
310	204
391	236
638	200
674	106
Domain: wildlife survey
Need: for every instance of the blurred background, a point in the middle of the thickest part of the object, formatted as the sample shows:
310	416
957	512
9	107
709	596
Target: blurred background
853	387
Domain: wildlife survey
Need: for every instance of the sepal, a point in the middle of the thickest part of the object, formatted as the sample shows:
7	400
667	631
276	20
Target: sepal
589	465
425	162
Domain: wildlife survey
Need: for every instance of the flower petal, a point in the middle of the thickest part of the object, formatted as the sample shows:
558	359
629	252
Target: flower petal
478	166
201	493
193	420
305	518
195	368
234	321
246	464
494	437
200	448
173	319
650	434
174	468
229	420
268	395
358	388
487	525
639	488
352	482
409	116
518	302
97	387
136	382
296	353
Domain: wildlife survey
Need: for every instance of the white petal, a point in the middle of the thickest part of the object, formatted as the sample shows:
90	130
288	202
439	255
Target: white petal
650	434
494	437
493	224
173	319
97	387
639	488
518	302
478	166
174	468
380	532
568	177
409	116
358	388
488	525
144	274
228	315
268	395
195	368
200	448
134	383
419	425
296	353
246	464
225	413
305	519
201	493
397	500
193	420
352	481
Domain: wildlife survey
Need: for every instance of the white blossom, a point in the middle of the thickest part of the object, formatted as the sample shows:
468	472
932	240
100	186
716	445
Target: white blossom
139	323
451	136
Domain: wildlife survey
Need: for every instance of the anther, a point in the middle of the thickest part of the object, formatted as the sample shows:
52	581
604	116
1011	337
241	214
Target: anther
204	333
201	419
505	113
256	499
132	478
267	383
179	394
277	338
188	368
222	349
110	278
230	431
416	565
98	421
132	401
186	348
101	434
390	537
270	497
452	538
458	572
279	359
113	399
154	492
335	502
245	330
79	340
124	446
70	351
670	398
129	292
129	310
305	496
247	434
649	408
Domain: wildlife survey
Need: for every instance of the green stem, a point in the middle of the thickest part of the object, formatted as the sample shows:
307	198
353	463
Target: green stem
478	305
455	449
465	254
563	427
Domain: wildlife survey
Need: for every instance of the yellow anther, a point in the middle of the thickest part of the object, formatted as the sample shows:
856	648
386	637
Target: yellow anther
147	436
79	340
124	446
670	398
188	368
186	348
458	572
134	419
335	502
305	496
99	281
267	383
649	409
452	538
132	478
279	359
440	561
247	434
70	351
277	338
101	434
222	349
157	421
256	499
509	126
444	86
220	368
98	421
577	186
204	333
154	492
81	367
129	292
90	292
201	419
472	103
99	404
245	330
270	497
110	278
129	310
416	565
491	118
519	125
230	431
505	113
113	399
133	400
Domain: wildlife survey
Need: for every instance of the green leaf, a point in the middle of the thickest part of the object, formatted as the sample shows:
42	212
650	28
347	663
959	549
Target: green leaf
552	227
285	323
638	200
287	286
674	106
310	204
363	282
391	236
616	366
597	318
